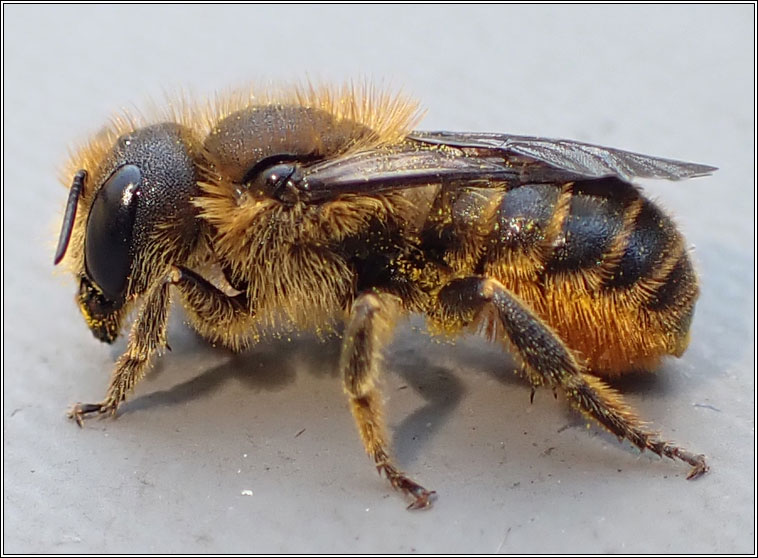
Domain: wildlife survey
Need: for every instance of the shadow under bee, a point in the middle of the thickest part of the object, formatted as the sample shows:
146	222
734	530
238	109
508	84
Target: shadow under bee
269	366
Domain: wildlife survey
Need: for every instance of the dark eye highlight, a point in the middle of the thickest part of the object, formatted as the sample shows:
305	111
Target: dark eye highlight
108	247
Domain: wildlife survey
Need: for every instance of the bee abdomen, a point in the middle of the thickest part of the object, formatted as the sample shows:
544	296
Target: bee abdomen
522	228
602	230
552	230
650	240
524	215
677	287
593	228
599	262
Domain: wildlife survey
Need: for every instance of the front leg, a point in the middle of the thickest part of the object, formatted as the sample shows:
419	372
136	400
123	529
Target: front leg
147	335
369	328
210	305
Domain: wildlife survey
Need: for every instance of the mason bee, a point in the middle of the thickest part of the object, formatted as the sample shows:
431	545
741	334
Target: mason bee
319	206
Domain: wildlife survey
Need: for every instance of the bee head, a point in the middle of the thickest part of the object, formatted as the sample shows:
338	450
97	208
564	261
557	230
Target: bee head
136	218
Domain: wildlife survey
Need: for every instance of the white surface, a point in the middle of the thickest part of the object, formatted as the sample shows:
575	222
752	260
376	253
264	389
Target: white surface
173	472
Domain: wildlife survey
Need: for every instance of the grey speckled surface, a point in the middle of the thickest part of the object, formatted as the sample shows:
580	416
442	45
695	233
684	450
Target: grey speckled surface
169	474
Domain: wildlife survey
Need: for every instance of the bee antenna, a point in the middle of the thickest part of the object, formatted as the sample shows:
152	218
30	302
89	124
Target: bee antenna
68	219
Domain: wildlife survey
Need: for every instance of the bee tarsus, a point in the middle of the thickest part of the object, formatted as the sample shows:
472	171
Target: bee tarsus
79	411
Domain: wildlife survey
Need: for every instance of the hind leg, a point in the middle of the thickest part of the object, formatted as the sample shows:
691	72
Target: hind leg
547	360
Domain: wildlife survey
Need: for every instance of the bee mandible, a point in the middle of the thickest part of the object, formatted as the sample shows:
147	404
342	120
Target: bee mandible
320	206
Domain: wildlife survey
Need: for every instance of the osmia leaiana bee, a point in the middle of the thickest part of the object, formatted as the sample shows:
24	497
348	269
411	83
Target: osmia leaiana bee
322	206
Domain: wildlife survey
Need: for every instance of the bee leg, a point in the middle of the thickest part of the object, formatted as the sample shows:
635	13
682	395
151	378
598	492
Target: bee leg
207	302
147	335
368	329
548	360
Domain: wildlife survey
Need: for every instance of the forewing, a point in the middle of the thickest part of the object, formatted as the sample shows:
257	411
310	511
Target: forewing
583	160
373	172
480	161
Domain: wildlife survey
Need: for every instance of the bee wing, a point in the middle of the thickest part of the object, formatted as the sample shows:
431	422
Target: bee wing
482	161
398	168
582	160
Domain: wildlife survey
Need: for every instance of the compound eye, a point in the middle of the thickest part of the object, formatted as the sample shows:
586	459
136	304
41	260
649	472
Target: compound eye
108	250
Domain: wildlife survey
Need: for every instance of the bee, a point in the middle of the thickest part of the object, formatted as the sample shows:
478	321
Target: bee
320	208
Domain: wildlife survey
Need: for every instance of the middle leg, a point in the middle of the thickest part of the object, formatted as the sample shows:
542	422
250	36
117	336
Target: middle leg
368	329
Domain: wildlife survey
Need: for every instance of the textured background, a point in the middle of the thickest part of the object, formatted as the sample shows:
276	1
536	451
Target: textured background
169	474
